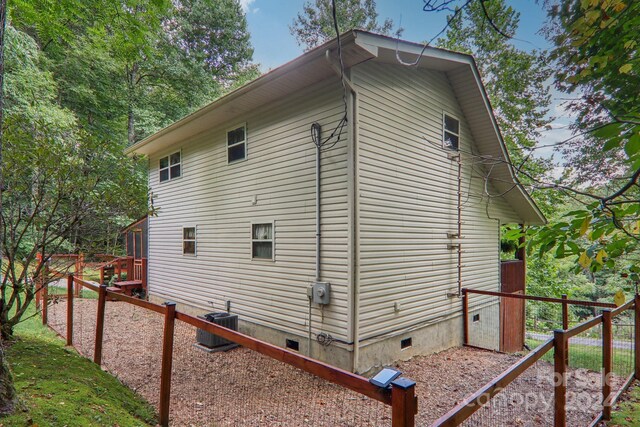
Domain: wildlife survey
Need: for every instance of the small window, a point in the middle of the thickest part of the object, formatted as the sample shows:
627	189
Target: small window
237	144
170	167
189	240
262	241
406	343
451	132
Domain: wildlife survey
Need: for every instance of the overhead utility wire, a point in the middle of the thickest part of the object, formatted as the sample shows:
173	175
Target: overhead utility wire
329	142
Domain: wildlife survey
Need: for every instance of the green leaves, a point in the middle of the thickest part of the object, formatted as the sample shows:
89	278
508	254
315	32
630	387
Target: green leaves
314	25
626	68
632	147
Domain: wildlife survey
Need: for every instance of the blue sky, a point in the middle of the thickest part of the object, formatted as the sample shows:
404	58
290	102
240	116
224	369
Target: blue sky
269	22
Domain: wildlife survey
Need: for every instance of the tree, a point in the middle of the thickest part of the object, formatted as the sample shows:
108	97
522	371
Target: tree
56	176
314	25
132	67
597	59
515	80
8	396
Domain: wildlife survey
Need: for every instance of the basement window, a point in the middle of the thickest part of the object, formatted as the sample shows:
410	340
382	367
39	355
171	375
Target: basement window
189	240
262	241
170	167
451	132
237	144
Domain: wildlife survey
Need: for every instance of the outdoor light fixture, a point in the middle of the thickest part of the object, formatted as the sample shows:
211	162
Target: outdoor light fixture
385	377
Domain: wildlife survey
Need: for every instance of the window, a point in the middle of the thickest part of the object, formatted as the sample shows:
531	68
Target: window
170	167
262	241
451	132
237	144
189	240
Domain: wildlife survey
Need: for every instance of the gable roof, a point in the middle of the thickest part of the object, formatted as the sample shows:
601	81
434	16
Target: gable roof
357	47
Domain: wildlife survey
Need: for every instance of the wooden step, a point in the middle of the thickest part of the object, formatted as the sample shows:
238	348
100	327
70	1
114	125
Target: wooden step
114	289
124	283
127	286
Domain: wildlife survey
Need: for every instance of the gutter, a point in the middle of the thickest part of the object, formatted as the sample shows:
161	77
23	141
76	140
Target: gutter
264	79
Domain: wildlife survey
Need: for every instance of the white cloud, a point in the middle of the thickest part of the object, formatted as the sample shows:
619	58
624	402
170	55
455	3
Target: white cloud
246	6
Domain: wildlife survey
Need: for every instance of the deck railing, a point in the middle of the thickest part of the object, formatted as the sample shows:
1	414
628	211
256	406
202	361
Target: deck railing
400	397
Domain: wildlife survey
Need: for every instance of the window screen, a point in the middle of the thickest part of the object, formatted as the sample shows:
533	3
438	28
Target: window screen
262	241
189	240
451	134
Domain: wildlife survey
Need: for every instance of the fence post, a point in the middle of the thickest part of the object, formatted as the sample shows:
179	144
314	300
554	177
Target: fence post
78	273
560	358
144	265
565	313
38	284
465	317
404	403
607	363
636	345
167	361
45	300
102	299
130	267
70	309
565	319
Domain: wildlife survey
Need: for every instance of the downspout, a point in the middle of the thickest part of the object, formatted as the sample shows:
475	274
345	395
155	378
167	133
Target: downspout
355	326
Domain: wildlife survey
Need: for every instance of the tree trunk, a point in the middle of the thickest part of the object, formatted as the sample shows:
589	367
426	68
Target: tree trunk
8	397
131	119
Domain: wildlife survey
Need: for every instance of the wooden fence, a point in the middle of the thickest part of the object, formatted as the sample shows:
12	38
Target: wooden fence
401	396
560	344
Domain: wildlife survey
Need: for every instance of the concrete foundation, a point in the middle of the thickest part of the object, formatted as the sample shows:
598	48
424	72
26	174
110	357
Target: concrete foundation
337	353
437	336
484	326
374	354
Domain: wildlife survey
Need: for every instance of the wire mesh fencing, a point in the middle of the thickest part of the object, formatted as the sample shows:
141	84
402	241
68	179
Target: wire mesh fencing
484	321
56	310
584	377
132	347
526	401
241	387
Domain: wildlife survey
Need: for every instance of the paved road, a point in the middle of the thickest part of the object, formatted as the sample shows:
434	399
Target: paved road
594	342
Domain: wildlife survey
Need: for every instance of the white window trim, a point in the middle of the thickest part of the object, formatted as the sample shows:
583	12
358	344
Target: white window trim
227	146
168	168
444	131
194	240
273	241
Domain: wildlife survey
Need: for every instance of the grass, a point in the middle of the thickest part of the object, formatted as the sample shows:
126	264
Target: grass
58	387
85	293
627	411
590	357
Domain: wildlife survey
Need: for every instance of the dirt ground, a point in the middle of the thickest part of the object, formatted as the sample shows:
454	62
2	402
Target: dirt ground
241	387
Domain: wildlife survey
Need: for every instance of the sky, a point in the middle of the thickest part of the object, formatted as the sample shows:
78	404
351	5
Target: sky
269	22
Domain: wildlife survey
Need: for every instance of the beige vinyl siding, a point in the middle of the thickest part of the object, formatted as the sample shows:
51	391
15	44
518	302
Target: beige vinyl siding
218	198
408	201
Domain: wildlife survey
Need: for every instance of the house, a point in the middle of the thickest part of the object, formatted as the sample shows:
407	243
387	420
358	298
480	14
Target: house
411	199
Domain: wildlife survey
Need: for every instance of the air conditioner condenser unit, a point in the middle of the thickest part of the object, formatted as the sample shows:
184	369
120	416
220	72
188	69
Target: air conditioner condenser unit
211	342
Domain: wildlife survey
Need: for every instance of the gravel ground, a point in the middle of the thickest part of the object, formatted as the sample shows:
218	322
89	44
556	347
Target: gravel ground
241	387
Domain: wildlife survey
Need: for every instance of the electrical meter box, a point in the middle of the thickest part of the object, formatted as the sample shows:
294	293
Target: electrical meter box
321	293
